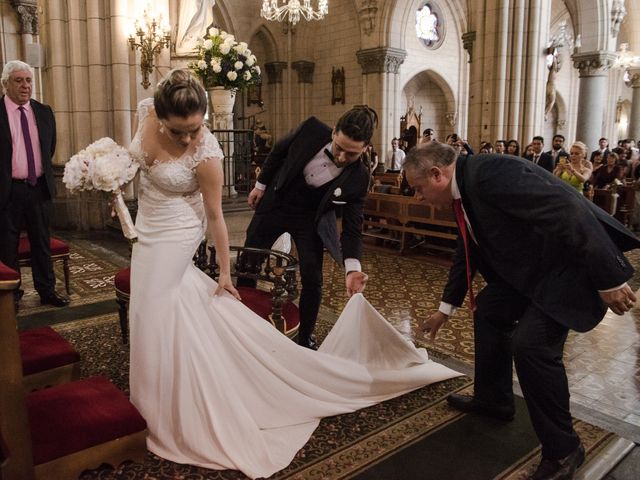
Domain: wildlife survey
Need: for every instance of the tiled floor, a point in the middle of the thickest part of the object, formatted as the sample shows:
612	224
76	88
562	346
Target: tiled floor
603	365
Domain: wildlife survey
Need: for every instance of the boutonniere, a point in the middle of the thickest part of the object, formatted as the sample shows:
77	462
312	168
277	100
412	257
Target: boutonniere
337	192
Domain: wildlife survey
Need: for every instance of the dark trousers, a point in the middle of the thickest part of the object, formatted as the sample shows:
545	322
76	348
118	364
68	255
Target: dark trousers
28	208
508	326
265	228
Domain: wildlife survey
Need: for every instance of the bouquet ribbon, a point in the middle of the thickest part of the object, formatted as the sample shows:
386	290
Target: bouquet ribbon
126	222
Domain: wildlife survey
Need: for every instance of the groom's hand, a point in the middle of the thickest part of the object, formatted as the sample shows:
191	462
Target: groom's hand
254	197
432	324
356	282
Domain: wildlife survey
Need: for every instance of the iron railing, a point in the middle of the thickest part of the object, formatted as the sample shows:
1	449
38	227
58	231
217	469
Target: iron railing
239	170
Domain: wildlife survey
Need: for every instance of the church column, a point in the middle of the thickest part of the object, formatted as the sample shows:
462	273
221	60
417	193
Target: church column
381	66
274	80
634	120
305	71
593	67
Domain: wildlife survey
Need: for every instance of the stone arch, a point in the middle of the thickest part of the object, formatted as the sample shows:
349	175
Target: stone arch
433	97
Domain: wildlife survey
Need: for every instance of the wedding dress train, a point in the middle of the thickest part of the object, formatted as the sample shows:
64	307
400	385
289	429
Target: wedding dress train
218	386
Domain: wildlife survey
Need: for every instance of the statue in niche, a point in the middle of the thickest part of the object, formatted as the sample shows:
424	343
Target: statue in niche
194	18
553	64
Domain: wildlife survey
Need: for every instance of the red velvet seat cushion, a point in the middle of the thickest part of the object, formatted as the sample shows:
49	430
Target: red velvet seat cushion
122	281
57	246
79	415
259	301
43	349
7	274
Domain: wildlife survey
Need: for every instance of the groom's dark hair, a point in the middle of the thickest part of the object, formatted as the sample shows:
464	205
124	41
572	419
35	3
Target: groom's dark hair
358	123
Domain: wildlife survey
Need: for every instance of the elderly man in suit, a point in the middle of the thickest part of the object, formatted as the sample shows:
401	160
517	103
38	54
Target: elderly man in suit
309	174
548	270
27	143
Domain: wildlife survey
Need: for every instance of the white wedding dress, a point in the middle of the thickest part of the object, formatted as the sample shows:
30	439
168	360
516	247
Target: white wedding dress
218	386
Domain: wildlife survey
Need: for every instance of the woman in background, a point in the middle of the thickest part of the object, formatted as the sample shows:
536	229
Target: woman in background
575	170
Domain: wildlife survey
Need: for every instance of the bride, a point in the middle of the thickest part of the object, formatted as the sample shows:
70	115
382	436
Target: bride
218	386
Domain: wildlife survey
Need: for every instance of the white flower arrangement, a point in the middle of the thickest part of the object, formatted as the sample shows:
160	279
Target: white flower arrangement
105	166
223	62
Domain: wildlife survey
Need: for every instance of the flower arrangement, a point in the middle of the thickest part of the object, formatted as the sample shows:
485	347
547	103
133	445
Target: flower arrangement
223	62
106	166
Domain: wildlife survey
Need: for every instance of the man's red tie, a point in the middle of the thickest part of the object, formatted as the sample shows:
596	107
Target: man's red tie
31	162
462	228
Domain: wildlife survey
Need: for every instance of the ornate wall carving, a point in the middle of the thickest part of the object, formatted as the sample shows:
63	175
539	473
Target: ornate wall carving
305	70
367	10
381	59
27	11
593	64
274	71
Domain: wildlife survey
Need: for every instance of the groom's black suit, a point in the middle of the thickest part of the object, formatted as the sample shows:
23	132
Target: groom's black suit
22	204
545	252
308	213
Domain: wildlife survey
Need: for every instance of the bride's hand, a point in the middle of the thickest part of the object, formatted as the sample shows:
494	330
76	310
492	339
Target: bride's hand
225	283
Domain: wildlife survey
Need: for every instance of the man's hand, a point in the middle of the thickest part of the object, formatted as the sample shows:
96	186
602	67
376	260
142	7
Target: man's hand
356	282
620	300
432	324
254	197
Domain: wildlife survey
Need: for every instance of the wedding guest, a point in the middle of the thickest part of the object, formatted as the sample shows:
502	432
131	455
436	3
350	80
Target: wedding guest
513	148
603	143
395	157
27	186
572	270
557	149
575	170
537	156
501	146
607	174
428	135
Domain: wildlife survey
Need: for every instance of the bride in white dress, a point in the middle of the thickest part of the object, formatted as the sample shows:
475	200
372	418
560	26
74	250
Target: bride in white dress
218	386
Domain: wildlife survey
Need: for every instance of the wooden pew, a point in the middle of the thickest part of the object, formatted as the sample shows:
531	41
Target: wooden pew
399	218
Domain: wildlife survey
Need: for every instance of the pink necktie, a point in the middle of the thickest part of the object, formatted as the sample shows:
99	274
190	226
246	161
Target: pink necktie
31	161
462	228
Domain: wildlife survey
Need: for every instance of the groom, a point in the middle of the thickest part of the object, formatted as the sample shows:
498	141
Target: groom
309	174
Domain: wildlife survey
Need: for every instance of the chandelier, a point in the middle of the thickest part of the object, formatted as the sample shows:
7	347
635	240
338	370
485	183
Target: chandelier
291	10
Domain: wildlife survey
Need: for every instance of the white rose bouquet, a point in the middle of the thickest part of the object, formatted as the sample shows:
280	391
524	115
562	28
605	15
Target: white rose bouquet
106	166
223	62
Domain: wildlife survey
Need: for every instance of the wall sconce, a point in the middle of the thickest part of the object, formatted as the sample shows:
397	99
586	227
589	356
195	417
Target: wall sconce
150	38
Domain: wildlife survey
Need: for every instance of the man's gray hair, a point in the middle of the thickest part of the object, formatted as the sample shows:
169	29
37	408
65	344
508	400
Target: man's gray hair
420	159
11	67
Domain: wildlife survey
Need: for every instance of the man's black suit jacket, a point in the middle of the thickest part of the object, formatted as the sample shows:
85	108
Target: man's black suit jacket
46	123
540	236
348	191
545	161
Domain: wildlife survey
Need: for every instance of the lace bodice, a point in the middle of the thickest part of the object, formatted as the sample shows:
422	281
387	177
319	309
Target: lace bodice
169	178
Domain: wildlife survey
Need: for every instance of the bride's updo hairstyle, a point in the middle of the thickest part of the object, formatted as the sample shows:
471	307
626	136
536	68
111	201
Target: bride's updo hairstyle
179	94
358	123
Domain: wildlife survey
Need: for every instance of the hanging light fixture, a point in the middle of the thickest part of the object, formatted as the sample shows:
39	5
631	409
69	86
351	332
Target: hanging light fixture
291	10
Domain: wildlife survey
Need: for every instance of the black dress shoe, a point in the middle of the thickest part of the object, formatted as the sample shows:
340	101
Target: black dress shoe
468	404
309	343
54	299
563	469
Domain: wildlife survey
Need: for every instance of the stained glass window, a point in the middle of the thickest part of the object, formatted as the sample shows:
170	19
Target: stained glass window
428	26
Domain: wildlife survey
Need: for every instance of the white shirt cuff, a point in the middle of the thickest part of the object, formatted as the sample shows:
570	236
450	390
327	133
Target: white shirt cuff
261	186
352	265
447	308
614	288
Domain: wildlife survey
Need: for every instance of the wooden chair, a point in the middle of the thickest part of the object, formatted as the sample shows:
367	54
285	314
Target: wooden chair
59	253
625	204
59	432
274	271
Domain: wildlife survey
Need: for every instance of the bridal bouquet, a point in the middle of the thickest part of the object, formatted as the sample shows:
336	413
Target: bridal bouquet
106	166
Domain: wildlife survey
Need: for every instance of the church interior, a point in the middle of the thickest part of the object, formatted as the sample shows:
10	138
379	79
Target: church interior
489	72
